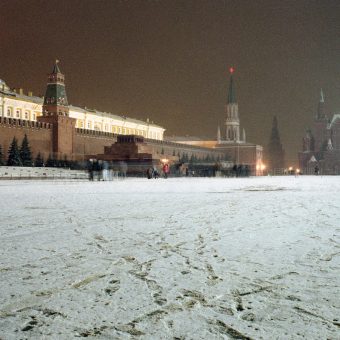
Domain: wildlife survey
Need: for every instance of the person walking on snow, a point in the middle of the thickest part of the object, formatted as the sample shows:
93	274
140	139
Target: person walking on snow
166	170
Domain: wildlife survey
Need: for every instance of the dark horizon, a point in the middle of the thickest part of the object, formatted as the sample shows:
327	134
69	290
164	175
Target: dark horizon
169	60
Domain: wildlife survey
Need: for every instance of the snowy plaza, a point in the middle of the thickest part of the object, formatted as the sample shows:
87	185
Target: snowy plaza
182	258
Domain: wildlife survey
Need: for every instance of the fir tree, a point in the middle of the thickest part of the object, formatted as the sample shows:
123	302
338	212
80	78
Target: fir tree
39	161
50	162
25	152
275	149
1	157
14	154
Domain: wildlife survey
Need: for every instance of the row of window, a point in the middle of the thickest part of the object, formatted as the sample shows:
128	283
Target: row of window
28	115
117	129
19	114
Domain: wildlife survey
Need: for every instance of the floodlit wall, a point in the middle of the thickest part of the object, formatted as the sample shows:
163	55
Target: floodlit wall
17	105
39	135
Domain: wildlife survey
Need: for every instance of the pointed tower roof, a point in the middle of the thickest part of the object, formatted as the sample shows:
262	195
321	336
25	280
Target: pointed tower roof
56	68
231	91
55	99
322	98
218	134
321	115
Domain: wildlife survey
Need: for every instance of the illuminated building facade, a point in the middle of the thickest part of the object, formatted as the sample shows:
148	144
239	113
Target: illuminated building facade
56	128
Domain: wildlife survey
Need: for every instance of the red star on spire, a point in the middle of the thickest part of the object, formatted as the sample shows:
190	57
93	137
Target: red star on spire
231	70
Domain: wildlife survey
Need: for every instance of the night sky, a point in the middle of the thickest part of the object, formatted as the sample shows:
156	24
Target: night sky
169	60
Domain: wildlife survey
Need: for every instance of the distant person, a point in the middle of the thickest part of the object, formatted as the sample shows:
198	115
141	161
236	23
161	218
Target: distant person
100	170
105	171
166	170
187	172
123	168
149	173
95	169
90	169
234	170
155	173
316	170
239	170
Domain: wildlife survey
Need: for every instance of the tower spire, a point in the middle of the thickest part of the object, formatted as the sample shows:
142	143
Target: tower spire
218	134
55	100
231	92
232	122
321	115
56	68
322	98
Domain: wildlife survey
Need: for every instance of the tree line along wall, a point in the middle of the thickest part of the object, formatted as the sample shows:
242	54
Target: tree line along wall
39	135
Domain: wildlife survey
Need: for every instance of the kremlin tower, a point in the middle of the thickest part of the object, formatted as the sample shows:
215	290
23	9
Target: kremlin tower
55	111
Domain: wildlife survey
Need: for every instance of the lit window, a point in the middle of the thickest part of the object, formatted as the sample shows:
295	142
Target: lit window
27	114
33	116
17	114
89	125
119	130
9	112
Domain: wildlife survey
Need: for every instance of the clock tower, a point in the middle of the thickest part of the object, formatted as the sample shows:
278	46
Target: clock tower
56	112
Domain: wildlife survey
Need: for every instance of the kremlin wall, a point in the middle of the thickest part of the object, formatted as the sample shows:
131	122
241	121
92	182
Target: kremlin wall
62	131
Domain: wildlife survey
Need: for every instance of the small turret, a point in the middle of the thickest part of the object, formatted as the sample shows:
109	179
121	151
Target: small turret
308	142
321	108
218	134
329	145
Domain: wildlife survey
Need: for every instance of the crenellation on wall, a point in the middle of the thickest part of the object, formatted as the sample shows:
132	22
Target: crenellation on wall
95	133
6	121
39	135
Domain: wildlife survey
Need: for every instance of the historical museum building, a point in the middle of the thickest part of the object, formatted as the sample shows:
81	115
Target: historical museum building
62	131
321	144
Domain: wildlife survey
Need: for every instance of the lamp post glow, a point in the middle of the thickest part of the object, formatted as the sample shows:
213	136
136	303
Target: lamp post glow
260	167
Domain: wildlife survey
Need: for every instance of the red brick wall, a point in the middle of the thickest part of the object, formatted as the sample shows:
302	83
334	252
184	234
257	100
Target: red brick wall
91	143
39	136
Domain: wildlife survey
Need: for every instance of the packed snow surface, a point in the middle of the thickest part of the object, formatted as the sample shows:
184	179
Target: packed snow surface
182	258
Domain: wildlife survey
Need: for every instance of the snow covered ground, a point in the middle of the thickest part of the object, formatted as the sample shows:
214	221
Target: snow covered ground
184	258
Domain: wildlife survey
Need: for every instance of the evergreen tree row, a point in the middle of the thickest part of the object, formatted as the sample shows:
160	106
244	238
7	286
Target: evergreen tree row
20	156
